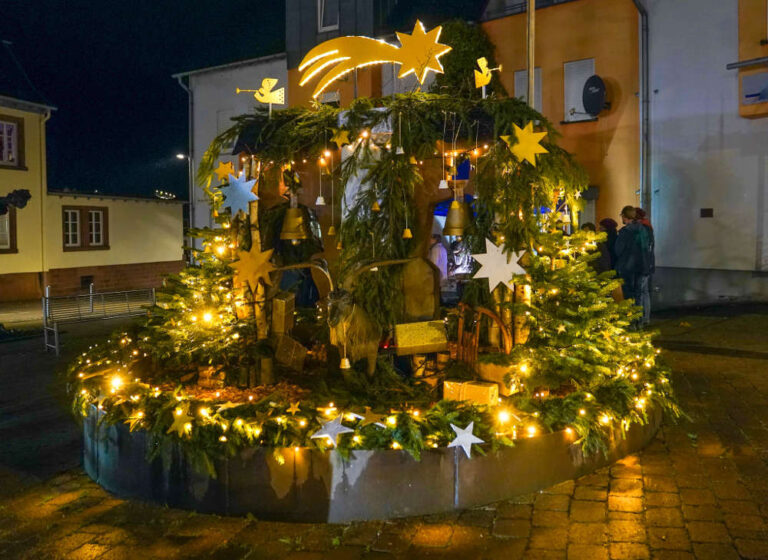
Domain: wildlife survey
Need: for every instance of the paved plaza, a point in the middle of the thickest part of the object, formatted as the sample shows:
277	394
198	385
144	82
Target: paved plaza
700	490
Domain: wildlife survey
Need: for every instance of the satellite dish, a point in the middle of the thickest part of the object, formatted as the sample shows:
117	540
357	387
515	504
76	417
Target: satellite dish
593	96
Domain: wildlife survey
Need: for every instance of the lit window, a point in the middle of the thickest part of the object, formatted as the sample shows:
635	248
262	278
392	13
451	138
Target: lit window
71	228
9	136
327	15
96	227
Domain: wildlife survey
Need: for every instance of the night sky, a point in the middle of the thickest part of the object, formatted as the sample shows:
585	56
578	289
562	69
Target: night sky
107	66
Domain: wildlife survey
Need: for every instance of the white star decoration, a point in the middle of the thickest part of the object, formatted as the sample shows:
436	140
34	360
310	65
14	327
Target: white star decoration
332	430
496	266
239	193
464	438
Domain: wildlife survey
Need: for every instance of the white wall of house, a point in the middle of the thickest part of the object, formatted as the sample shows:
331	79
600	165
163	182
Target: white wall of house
704	155
215	103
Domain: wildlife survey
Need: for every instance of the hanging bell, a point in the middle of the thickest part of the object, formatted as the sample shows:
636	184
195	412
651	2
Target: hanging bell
294	226
407	234
331	231
399	151
457	220
320	201
338	246
345	363
375	206
443	185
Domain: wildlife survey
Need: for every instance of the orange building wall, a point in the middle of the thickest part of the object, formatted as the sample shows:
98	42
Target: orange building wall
606	30
752	17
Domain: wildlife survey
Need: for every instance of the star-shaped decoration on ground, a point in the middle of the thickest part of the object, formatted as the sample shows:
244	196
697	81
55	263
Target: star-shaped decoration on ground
496	266
527	145
239	193
369	417
332	430
465	438
180	421
340	137
252	266
294	408
224	170
420	52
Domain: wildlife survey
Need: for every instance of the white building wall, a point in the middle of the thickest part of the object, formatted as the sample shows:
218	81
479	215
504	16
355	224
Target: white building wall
704	155
215	103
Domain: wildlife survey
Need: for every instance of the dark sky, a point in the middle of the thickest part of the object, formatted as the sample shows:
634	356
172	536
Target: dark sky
106	65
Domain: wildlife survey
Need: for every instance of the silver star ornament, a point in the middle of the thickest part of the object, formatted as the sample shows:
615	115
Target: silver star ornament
464	438
496	266
239	193
332	430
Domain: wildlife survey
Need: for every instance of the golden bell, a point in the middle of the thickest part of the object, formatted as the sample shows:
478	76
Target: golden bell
375	206
457	219
294	226
407	234
345	363
331	231
338	246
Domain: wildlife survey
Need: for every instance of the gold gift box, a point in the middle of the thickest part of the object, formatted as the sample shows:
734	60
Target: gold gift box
420	338
477	392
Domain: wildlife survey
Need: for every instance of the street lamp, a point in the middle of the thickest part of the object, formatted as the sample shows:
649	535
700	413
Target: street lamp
182	156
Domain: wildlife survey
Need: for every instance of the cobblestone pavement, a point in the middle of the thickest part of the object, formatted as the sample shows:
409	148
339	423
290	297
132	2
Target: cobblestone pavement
700	490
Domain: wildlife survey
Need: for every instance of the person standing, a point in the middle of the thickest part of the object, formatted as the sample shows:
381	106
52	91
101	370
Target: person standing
609	226
633	257
645	280
439	256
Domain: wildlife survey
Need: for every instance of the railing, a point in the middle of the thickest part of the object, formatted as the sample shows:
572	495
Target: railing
89	307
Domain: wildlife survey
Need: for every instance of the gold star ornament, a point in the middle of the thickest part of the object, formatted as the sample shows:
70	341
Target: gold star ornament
340	137
527	145
223	170
253	266
182	422
294	408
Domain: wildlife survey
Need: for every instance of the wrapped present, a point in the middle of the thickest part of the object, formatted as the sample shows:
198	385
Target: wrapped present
420	338
495	374
476	392
283	306
290	352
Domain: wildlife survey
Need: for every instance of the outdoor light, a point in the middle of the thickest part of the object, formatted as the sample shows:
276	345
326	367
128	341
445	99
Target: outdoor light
181	156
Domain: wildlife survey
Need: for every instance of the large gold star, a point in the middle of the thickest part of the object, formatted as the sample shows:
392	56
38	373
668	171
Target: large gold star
181	422
224	169
527	145
420	51
340	137
254	265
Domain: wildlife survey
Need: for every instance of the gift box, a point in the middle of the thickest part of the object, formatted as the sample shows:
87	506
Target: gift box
495	374
476	392
420	338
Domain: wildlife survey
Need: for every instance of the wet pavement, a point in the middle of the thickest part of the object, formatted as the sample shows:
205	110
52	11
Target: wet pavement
700	490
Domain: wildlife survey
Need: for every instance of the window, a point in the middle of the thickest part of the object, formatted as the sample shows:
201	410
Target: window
521	87
11	141
8	231
576	74
85	227
96	227
327	15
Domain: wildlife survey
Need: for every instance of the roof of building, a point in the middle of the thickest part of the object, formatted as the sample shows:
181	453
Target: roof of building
77	194
14	82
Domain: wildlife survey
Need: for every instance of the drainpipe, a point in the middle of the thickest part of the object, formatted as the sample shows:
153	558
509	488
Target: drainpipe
190	144
645	110
43	192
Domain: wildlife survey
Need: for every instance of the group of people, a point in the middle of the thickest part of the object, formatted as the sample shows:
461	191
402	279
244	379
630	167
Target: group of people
630	252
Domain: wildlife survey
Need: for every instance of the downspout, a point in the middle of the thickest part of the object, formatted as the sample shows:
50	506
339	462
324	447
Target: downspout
645	110
190	143
43	195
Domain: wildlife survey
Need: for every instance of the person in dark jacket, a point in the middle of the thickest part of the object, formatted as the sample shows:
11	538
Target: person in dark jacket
609	227
632	255
603	262
645	280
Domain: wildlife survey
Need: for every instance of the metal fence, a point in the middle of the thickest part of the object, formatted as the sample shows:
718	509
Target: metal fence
89	307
